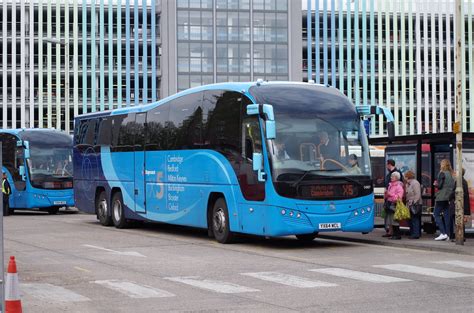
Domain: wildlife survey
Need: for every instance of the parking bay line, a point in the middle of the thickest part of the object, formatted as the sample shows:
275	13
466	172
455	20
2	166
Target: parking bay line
52	293
464	264
289	280
362	276
127	253
422	271
212	285
134	290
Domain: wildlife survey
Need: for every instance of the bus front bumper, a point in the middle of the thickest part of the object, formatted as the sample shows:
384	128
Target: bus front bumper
293	222
45	201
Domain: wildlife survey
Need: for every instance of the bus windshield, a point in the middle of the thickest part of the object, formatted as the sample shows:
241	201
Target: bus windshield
50	157
319	134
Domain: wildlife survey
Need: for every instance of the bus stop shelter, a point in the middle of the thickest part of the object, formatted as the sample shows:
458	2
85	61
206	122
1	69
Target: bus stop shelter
422	154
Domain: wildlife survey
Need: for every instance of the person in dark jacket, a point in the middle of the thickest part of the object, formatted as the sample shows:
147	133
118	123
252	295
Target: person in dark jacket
6	190
445	184
452	207
391	169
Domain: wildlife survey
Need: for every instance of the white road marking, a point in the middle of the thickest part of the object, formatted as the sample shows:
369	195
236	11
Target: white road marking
289	280
212	285
52	293
464	264
127	253
423	271
363	276
133	290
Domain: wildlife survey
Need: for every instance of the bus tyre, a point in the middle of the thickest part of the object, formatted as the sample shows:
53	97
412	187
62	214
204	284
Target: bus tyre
102	209
118	216
220	222
307	237
53	210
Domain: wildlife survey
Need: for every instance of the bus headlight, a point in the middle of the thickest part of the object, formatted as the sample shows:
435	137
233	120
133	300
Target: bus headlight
283	212
291	213
368	209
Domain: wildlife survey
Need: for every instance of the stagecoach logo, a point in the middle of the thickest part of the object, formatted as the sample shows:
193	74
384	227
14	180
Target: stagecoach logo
331	207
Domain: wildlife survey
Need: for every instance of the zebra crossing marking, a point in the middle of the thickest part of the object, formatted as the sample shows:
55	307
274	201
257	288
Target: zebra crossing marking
423	271
51	293
289	280
464	264
363	276
133	290
212	285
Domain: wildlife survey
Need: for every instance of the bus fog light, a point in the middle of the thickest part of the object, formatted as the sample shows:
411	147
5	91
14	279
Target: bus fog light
298	215
283	212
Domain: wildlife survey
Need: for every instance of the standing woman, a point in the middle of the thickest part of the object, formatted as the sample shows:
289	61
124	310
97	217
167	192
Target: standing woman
445	184
392	195
414	202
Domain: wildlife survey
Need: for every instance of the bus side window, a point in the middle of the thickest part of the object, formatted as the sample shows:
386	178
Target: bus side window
104	138
186	119
124	133
157	128
89	136
10	158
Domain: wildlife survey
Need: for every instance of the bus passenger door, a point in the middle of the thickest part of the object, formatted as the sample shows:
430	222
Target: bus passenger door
139	192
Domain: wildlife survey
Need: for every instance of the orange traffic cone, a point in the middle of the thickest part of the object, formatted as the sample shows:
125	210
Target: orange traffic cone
12	291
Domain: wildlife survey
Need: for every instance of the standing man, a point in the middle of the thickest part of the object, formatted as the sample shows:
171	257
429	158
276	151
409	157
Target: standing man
386	206
6	190
391	168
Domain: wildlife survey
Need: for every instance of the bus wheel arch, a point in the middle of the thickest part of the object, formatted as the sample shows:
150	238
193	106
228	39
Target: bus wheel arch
118	209
102	207
218	218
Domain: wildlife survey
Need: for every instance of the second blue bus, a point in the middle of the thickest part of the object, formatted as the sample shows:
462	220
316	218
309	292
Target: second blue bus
38	164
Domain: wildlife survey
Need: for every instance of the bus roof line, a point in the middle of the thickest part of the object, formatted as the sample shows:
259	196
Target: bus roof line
242	87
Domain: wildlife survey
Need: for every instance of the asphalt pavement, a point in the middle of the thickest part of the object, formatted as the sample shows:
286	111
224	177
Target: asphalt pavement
426	242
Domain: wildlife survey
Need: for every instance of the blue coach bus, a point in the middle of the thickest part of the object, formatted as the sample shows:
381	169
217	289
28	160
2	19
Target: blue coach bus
38	164
211	157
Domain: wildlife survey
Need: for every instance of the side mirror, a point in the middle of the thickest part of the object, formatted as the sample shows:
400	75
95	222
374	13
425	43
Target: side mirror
265	111
26	153
22	172
270	129
257	165
26	144
257	161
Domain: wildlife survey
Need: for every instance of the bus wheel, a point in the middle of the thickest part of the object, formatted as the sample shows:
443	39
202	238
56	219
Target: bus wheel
53	210
102	210
307	237
118	216
220	222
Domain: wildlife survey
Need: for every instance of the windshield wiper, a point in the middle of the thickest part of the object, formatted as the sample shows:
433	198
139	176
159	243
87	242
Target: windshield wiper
299	180
352	180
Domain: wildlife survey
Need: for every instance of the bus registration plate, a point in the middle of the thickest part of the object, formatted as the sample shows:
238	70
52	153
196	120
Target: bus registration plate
59	202
330	226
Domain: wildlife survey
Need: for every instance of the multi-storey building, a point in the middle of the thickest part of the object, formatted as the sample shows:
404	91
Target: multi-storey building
64	58
398	54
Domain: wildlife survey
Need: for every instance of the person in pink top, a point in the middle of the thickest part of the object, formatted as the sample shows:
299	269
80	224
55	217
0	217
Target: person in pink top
394	192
